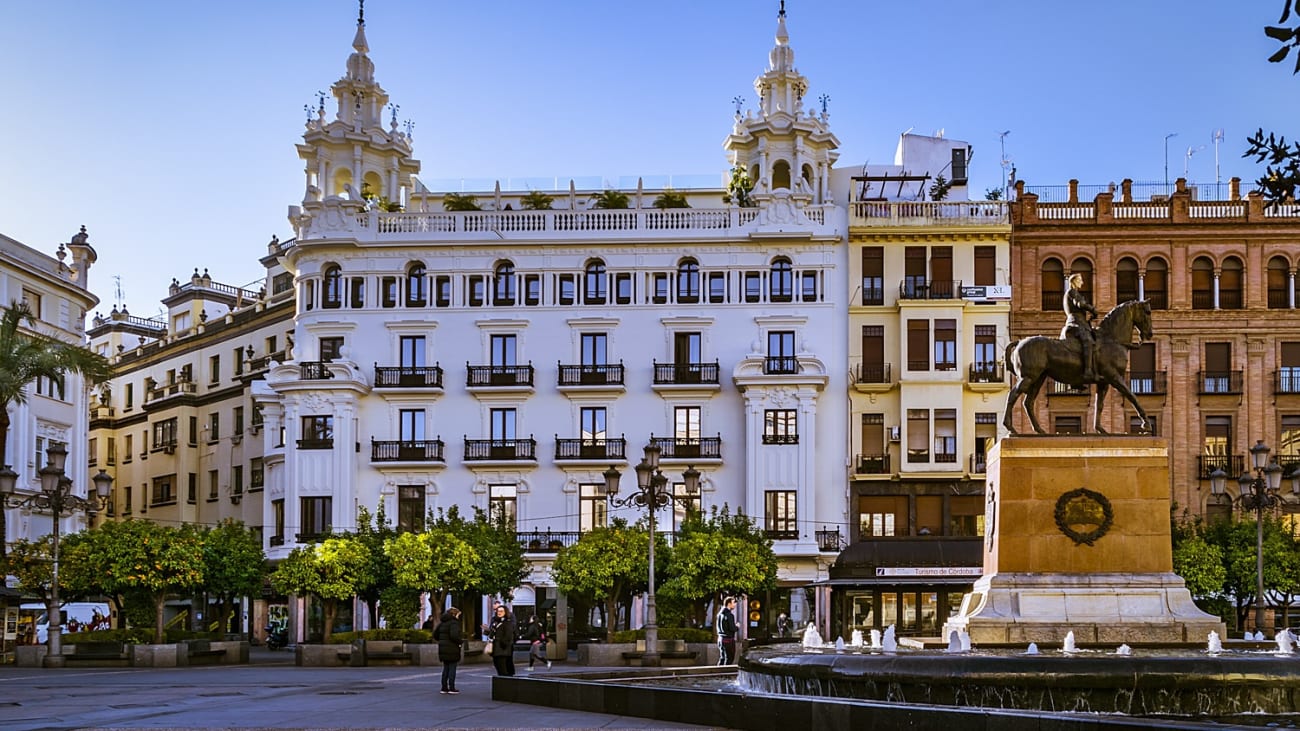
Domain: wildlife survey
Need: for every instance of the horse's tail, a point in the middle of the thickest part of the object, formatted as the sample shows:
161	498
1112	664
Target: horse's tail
1008	359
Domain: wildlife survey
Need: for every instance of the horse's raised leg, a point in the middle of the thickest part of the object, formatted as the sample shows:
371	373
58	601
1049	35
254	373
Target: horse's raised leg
1129	397
1028	405
1102	387
1021	387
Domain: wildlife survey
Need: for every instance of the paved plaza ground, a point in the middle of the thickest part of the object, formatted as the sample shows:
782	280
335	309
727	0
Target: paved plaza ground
271	692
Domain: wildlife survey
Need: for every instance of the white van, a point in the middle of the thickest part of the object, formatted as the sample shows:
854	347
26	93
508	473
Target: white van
86	614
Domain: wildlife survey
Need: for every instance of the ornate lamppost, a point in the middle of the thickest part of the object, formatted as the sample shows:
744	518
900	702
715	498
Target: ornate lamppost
57	497
1258	493
652	493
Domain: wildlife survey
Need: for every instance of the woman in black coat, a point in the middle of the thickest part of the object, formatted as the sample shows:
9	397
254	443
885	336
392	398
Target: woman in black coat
448	636
502	631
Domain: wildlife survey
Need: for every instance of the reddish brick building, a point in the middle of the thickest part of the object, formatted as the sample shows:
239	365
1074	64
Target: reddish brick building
1224	368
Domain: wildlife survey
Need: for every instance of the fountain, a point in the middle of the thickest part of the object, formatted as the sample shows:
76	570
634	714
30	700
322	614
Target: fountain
889	643
875	639
1068	645
954	642
1215	645
812	638
856	638
1123	650
1284	642
1032	649
839	644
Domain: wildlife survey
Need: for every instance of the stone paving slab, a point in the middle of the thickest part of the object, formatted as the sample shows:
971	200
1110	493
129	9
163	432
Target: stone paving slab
272	693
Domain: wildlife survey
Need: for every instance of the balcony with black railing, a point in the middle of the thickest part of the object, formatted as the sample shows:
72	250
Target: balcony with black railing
423	450
781	534
1231	464
1218	382
590	374
1286	380
317	443
872	464
599	450
408	376
986	376
688	447
872	377
314	370
935	289
979	464
1064	389
873	296
830	541
546	541
502	376
1148	383
775	365
501	450
686	374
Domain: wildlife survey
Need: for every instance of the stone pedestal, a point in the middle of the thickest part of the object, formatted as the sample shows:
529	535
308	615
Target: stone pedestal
1077	539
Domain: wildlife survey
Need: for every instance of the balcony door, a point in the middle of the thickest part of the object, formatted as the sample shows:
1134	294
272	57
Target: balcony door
873	354
595	349
593	424
687	348
504	350
412	355
412	426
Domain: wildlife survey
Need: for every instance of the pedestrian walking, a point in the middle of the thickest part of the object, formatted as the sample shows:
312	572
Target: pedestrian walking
535	633
725	626
448	636
502	632
783	625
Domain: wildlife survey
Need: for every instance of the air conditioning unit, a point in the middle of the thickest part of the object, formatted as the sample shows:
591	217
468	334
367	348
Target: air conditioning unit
895	434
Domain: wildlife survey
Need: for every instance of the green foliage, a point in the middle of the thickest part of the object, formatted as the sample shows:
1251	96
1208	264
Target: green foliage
939	188
413	636
1281	176
604	565
690	634
372	532
138	636
332	570
379	201
459	202
26	355
400	606
536	200
1236	540
137	558
437	561
29	562
671	199
739	188
233	565
1200	563
993	194
723	554
610	199
502	566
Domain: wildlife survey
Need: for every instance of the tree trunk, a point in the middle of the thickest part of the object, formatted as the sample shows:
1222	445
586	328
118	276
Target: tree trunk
4	444
158	603
227	610
331	607
611	611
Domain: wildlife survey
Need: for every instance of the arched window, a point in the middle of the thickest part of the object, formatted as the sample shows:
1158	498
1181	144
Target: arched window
781	284
594	286
504	288
1126	280
1155	284
780	174
1279	283
688	281
1230	281
1083	266
807	175
1052	284
417	287
332	287
1202	284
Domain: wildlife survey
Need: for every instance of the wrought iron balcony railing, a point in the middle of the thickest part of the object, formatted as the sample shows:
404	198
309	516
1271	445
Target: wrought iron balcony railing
479	450
872	464
780	365
408	376
326	443
314	370
830	540
978	464
1286	380
872	373
1148	383
688	447
986	373
500	375
1232	465
600	449
1217	382
602	374
919	289
426	450
546	541
686	373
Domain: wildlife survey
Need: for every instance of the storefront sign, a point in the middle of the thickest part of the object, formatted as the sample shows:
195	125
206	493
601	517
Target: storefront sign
895	571
987	292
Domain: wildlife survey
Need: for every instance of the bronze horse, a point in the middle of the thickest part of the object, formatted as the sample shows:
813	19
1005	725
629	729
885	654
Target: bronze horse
1034	359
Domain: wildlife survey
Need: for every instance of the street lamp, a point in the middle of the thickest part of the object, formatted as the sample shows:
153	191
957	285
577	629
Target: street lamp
55	496
652	493
1171	134
1258	493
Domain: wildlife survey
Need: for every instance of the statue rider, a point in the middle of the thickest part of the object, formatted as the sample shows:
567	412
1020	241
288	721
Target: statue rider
1078	315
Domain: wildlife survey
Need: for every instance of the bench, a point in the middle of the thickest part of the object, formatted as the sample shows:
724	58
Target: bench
98	654
377	652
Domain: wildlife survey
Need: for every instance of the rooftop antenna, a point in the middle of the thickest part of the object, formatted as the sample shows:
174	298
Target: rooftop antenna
1006	163
361	16
117	289
1190	151
1217	136
1171	134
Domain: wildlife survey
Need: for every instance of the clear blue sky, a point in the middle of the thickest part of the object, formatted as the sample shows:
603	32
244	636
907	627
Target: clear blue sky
167	128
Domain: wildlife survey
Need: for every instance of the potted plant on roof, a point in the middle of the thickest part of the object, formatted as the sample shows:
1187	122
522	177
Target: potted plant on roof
536	200
671	199
460	202
739	188
609	199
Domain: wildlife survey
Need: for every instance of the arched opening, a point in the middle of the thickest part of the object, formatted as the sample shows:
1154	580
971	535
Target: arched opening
1279	283
780	175
1051	282
417	287
1156	283
1126	279
372	186
688	281
504	284
332	287
781	282
594	285
342	178
1230	283
1202	284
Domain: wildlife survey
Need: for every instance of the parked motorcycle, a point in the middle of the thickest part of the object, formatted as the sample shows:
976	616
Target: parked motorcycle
277	636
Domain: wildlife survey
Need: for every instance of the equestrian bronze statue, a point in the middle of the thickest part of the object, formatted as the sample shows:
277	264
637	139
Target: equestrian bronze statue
1080	357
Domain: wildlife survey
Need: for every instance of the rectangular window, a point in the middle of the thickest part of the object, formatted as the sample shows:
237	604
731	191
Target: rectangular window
945	436
412	424
594	511
112	451
986	265
753	286
256	474
331	348
780	426
882	516
192	488
39	460
686	422
357	292
277	521
873	355
780	353
966	515
164	433
502	504
593	423
686	348
442	291
214	485
568	289
594	349
504	350
126	500
194	431
660	288
237	480
503	424
532	289
873	275
594	287
959	166
986	351
32	298
941	283
1218	368
1067	424
717	287
781	514
388	291
214	370
410	508
918	345
238	361
412	351
317	517
214	427
945	345
128	397
914	274
623	288
1289	440
477	290
685	505
918	435
129	441
873	435
317	432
